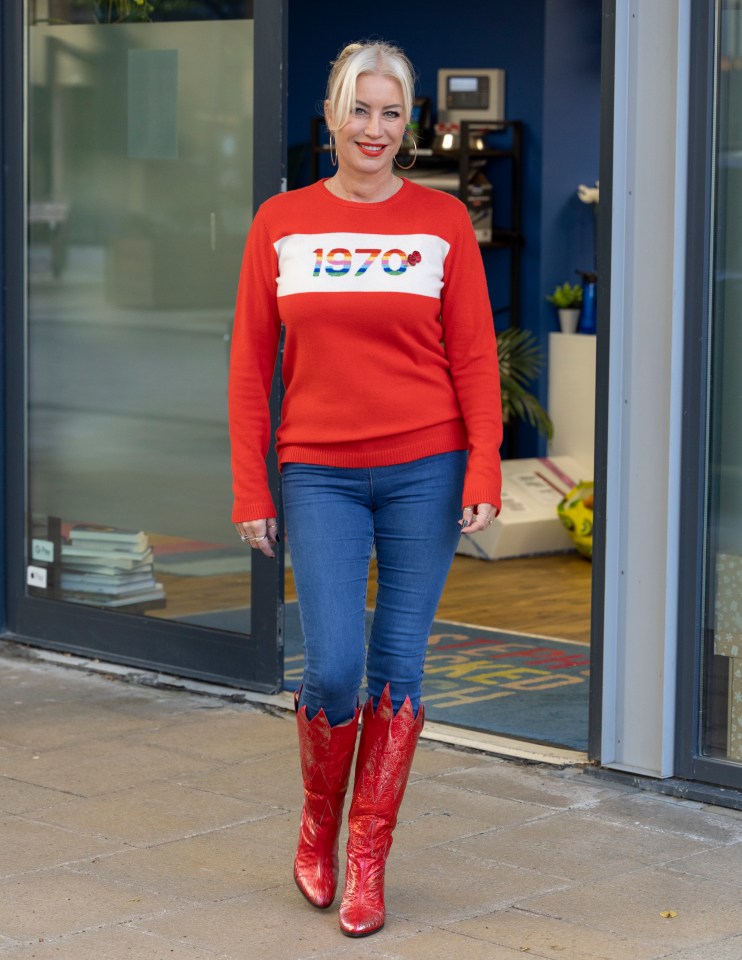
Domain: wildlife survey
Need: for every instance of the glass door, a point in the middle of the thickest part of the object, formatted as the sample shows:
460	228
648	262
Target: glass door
141	175
710	747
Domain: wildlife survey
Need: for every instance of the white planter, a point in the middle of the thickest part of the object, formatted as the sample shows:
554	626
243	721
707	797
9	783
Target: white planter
568	320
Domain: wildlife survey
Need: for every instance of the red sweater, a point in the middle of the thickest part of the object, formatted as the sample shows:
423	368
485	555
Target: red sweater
390	350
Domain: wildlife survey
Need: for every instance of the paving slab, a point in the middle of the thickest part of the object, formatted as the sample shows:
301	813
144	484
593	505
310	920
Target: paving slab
667	816
272	780
17	796
723	863
58	726
38	686
29	845
52	903
270	925
631	906
110	943
555	789
718	950
425	945
158	824
232	734
552	938
577	846
429	885
435	760
151	814
435	796
100	766
227	862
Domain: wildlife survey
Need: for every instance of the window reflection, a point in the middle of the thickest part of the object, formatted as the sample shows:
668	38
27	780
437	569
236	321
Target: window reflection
137	11
140	197
722	676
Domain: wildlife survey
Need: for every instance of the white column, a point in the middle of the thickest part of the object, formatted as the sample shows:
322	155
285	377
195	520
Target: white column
647	275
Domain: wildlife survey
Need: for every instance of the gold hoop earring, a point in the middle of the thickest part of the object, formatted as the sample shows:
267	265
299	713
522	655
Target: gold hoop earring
333	152
414	158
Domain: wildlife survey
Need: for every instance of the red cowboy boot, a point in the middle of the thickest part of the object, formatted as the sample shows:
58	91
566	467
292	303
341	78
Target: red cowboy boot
384	760
326	757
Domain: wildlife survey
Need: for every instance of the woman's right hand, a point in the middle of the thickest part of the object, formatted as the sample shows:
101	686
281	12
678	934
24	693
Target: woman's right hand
259	534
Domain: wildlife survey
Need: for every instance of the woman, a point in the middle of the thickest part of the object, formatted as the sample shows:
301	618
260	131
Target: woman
389	438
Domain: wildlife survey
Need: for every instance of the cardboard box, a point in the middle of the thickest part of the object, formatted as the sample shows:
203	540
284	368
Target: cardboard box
528	523
728	606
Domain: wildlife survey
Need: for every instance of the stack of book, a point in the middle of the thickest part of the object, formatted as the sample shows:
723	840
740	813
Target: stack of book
108	567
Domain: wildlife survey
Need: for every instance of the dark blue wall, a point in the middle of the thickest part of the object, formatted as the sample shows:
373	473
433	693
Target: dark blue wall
571	146
570	142
551	54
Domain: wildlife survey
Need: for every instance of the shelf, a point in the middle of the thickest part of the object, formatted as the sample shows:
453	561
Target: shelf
429	153
438	153
504	238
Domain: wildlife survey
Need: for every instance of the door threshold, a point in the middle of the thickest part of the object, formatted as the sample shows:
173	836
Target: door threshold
462	737
510	747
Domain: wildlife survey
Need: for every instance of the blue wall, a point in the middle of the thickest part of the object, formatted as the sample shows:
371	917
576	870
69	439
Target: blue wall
570	153
550	50
570	143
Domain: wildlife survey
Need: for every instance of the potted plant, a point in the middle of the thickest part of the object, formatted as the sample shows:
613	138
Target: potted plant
520	360
567	298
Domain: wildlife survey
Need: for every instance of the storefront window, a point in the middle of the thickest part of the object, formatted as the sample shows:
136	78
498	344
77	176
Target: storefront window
139	199
721	701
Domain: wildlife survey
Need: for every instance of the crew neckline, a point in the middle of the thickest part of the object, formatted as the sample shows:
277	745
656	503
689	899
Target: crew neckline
362	203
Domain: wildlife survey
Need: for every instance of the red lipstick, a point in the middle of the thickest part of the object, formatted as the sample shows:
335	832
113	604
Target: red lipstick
371	149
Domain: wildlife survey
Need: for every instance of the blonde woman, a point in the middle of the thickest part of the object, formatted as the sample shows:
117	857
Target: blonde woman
389	439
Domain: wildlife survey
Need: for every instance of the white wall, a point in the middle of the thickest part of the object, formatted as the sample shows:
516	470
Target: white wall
648	249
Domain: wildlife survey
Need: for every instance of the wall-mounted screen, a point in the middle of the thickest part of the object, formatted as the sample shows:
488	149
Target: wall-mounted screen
466	94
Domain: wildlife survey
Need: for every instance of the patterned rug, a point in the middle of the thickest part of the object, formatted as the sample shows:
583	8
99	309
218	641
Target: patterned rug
517	685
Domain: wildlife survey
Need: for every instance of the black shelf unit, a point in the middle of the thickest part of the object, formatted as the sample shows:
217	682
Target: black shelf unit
462	159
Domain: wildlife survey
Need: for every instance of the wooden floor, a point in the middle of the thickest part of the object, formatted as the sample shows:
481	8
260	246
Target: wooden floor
547	595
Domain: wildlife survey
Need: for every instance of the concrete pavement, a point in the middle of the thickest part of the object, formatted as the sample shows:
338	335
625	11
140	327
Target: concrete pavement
155	824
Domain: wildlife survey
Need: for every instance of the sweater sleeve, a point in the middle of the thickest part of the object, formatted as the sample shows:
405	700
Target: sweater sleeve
471	349
254	346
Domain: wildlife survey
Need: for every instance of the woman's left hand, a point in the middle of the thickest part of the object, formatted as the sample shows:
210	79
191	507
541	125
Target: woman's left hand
259	534
477	517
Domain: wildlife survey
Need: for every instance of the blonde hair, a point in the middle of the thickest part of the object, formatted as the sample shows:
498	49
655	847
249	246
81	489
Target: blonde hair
377	57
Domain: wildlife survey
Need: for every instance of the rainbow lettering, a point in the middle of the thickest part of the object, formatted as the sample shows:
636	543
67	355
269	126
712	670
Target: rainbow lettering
386	262
338	262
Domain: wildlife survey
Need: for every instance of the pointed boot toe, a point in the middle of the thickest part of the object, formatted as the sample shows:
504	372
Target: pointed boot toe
317	880
362	911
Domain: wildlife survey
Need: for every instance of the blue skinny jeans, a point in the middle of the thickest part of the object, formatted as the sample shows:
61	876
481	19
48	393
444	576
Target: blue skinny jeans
335	516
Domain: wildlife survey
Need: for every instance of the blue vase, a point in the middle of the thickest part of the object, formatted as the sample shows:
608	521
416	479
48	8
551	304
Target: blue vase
589	311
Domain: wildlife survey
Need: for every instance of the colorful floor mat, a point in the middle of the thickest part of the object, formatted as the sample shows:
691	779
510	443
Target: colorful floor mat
513	684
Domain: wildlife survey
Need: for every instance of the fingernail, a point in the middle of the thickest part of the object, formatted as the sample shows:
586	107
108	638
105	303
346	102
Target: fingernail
464	523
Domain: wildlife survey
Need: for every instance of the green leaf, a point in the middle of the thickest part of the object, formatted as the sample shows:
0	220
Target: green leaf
520	361
566	296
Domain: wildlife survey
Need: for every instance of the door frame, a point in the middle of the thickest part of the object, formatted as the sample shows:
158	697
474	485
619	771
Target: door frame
690	764
602	370
252	661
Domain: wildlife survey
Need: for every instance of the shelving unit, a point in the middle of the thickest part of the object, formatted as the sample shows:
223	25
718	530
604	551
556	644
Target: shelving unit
503	141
